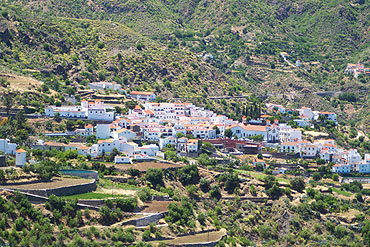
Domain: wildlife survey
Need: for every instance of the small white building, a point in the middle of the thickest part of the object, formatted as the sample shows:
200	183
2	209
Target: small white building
329	116
122	160
20	157
102	85
302	122
130	148
107	146
87	131
83	150
150	150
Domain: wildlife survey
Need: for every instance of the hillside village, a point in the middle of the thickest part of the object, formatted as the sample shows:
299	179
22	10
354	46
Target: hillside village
184	126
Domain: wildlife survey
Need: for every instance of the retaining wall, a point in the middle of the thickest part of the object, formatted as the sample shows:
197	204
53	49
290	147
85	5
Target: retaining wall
64	191
282	155
146	220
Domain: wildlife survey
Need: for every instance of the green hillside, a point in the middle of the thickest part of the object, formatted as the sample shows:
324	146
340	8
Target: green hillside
194	48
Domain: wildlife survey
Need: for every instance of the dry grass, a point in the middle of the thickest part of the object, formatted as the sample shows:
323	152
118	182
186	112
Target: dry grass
198	238
156	206
21	83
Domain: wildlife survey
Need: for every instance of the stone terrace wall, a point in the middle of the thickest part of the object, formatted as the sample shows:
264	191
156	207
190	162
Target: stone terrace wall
64	191
146	220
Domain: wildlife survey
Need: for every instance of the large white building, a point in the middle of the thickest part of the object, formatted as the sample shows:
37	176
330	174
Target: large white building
93	110
102	85
144	96
341	168
268	133
7	147
288	134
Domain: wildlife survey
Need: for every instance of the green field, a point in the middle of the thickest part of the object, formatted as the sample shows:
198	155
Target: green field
341	192
108	184
92	195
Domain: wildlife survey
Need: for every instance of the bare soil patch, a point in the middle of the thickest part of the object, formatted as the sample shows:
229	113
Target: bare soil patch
156	206
52	184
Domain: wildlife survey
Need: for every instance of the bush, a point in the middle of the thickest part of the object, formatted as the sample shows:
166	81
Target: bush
231	180
126	204
204	185
297	184
154	176
215	192
316	176
133	172
146	235
188	174
145	194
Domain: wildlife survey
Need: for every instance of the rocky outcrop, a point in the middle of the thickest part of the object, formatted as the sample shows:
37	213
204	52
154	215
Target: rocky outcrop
5	35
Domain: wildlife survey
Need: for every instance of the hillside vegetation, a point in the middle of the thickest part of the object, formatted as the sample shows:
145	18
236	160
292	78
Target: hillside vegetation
194	49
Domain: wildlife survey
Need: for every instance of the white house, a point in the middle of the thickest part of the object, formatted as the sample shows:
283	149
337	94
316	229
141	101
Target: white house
107	146
204	133
7	147
302	122
20	157
329	116
130	148
341	168
87	131
306	112
150	150
192	146
144	96
84	150
309	150
100	114
288	134
152	135
289	147
163	142
128	134
122	160
364	166
94	110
